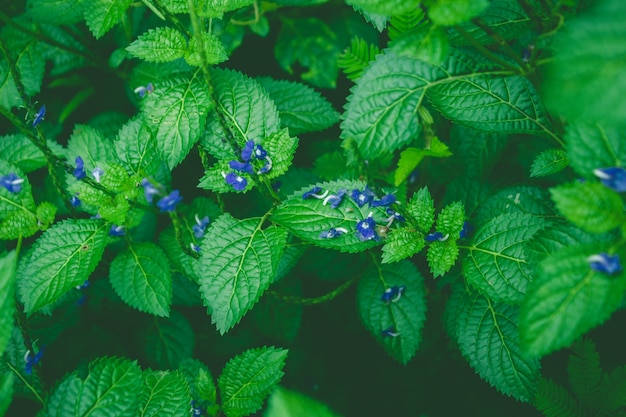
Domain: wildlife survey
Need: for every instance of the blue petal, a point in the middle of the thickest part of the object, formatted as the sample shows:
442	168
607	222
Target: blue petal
169	202
246	152
605	263
241	166
614	178
40	115
238	182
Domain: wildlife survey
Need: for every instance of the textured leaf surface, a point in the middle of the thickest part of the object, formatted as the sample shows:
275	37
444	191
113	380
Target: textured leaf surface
441	256
159	45
487	334
141	277
21	152
214	51
591	146
405	317
62	258
62	402
453	12
386	7
110	389
287	403
426	42
136	145
513	200
178	108
566	300
165	394
90	144
354	59
102	15
8	264
169	341
21	201
247	380
554	400
401	244
421	208
496	263
238	265
301	108
549	162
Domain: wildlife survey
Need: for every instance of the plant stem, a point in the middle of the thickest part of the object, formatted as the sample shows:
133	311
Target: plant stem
314	300
19	375
486	52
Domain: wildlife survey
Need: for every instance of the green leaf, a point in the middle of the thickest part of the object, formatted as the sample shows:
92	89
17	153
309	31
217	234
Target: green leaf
426	42
21	201
405	22
218	8
517	199
585	373
62	257
478	152
593	146
248	378
55	11
450	220
566	300
301	108
238	263
141	277
250	113
111	388
169	341
165	394
487	334
549	162
386	7
454	12
584	80
554	400
161	44
411	157
287	403
199	379
281	148
62	402
590	205
6	391
88	143
137	146
421	209
404	317
180	261
308	218
496	263
102	15
214	51
441	256
402	243
558	236
355	58
8	266
178	107
21	152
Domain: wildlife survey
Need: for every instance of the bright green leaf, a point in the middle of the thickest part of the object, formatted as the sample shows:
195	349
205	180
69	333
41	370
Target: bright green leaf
355	58
62	402
21	201
214	51
402	243
421	208
88	143
411	157
287	403
137	146
21	152
165	394
426	42
454	12
161	44
441	256
593	146
549	162
102	15
55	11
6	391
8	264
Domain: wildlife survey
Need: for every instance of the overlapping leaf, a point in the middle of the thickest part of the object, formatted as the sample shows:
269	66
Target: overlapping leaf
8	264
549	162
21	152
102	15
88	143
165	394
386	7
21	201
520	199
591	146
214	52
161	44
137	147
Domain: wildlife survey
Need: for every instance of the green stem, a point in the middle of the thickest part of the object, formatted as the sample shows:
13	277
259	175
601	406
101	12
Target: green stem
314	300
30	387
486	52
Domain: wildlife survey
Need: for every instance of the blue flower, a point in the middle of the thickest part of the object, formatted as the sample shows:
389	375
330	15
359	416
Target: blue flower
238	182
84	285
333	232
393	294
314	192
390	332
169	202
614	178
466	230
12	182
394	215
195	248
259	152
366	229
386	201
74	201
97	173
267	167
200	226
79	172
362	197
142	91
246	152
606	263
32	360
149	190
117	231
196	409
39	116
335	199
431	237
241	166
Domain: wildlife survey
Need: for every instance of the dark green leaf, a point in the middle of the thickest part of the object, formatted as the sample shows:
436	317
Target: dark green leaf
593	146
549	162
286	403
169	341
454	12
165	394
8	264
102	15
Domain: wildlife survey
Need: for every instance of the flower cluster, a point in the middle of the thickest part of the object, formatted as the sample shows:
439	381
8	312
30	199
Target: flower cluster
393	294
249	153
167	203
614	178
605	263
366	229
367	196
12	182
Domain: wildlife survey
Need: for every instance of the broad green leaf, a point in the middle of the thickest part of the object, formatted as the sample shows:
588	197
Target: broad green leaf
21	201
55	11
199	379
214	51
426	42
496	263
487	334
287	403
62	257
386	7
518	199
6	391
553	399
179	109
421	208
111	388
402	243
549	162
566	300
165	394
589	205
411	157
248	379
102	15
454	12
441	256
379	21
140	275
308	218
558	236
214	179
249	111
161	44
404	317
280	149
8	264
591	146
450	220
217	8
137	146
301	108
355	58
169	341
88	143
477	151
238	263
585	79
21	152
62	402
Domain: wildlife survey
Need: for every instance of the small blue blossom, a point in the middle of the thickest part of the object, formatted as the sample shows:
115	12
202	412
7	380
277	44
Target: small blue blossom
200	226
117	231
362	197
431	237
238	182
259	152
75	201
149	190
386	201
466	230
614	178
335	199
241	166
97	173
84	285
142	91
394	215
12	182
195	248
246	152
390	332
267	167
196	409
79	172
393	294
366	229
39	115
605	263
32	360
333	232
314	192
169	202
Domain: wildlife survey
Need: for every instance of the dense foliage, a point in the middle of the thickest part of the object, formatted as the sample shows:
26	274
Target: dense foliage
203	199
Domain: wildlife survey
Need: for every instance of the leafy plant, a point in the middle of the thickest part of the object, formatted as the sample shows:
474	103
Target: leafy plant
168	161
